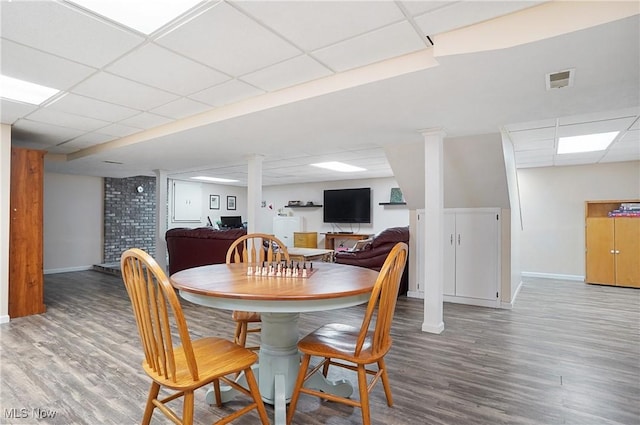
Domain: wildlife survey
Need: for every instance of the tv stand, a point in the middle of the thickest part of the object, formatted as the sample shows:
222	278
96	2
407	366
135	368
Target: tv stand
329	238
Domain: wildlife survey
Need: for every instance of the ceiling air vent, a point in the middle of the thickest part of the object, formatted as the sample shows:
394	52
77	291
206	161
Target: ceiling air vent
560	79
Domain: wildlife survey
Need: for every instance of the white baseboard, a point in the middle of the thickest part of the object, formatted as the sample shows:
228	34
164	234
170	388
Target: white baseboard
509	306
4	319
433	329
578	278
68	269
415	294
471	301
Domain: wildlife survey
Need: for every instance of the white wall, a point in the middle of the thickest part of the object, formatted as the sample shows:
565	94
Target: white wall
553	212
474	172
5	196
73	222
382	217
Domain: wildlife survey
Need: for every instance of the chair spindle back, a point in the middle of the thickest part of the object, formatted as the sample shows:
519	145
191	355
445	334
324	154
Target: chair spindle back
383	299
251	249
157	311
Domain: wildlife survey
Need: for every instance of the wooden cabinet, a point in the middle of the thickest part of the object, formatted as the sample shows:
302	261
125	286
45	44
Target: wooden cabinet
612	252
305	239
26	281
471	254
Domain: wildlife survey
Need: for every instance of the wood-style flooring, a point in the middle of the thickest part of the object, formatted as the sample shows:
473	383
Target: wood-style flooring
568	353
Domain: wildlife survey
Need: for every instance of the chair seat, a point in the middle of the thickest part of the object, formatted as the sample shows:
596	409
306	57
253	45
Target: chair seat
339	341
246	316
215	356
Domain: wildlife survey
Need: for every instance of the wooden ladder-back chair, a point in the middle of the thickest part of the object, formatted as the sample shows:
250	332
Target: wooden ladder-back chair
186	367
251	249
355	348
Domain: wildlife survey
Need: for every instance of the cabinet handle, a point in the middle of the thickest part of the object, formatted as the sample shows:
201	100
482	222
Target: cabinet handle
617	252
458	238
612	252
451	239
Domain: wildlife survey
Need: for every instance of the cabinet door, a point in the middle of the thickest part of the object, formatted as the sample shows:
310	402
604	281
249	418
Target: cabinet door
449	254
600	260
187	201
285	227
476	255
627	247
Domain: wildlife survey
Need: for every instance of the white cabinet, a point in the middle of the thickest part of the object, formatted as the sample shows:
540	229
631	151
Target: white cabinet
471	254
284	227
187	201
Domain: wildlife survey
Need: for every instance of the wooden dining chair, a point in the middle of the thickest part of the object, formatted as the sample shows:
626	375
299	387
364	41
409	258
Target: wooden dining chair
253	248
186	367
355	348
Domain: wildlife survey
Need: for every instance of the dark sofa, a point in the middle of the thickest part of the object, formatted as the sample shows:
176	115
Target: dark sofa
198	247
374	253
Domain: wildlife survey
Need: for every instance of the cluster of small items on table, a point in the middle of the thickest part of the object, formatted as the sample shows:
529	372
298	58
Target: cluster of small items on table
281	269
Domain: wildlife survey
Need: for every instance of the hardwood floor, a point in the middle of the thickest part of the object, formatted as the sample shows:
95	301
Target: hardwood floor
568	353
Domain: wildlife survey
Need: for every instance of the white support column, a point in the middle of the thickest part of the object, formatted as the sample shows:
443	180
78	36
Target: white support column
254	192
433	229
161	217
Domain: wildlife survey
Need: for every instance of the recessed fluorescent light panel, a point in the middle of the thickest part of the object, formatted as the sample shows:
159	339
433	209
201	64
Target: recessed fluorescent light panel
586	143
214	179
338	166
24	91
145	16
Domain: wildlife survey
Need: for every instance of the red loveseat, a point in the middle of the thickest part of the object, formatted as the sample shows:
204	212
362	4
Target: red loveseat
374	253
189	248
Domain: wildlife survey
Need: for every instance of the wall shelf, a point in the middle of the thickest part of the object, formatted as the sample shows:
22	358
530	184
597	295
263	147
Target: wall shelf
303	206
392	203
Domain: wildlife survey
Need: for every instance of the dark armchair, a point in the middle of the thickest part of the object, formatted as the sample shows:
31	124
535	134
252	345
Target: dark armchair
374	253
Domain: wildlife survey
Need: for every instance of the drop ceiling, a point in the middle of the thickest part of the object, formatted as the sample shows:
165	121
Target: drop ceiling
301	82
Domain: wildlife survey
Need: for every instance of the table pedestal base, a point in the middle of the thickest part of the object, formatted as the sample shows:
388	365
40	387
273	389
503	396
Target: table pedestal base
279	365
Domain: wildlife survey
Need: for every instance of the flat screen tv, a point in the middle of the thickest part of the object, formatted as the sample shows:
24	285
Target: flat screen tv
231	222
347	205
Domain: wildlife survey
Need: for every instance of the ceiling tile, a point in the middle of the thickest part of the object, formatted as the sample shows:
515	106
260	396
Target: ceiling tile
181	108
315	24
87	107
419	7
234	43
532	134
42	133
462	13
158	67
530	125
226	93
578	158
599	116
114	89
41	68
534	144
64	31
394	40
11	111
64	119
119	130
594	127
145	120
288	73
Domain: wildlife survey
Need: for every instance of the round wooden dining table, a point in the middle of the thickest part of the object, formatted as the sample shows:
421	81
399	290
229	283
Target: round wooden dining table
280	300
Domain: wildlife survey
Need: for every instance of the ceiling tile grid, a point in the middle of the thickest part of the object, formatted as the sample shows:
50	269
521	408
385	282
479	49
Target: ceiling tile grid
115	81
